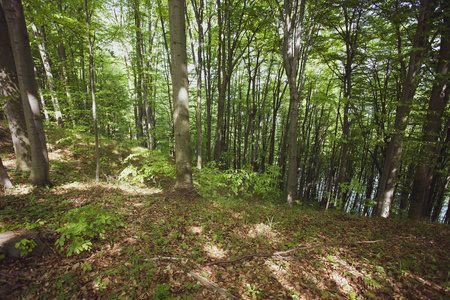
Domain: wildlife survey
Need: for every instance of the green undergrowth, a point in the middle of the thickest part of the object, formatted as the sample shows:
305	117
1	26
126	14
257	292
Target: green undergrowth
132	237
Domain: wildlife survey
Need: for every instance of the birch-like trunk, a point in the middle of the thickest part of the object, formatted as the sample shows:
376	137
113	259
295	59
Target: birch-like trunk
48	73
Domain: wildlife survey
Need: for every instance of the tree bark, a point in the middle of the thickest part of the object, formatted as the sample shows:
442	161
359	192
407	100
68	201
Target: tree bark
28	89
432	127
198	10
138	73
180	94
48	73
9	90
385	193
92	88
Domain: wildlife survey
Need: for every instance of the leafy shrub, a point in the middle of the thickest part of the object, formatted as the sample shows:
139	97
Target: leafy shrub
242	182
83	224
145	165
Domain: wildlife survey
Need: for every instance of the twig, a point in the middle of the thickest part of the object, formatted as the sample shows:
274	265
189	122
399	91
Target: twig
280	254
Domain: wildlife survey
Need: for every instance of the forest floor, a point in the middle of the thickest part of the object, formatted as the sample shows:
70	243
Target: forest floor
146	241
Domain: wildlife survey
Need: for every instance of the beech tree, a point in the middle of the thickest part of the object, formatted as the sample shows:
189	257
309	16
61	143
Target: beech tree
10	94
386	187
28	89
180	94
432	128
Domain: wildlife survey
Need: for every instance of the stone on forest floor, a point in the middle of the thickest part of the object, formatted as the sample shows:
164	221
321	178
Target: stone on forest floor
9	239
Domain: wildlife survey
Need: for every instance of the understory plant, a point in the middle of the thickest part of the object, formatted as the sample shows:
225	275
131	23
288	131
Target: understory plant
241	182
84	224
145	165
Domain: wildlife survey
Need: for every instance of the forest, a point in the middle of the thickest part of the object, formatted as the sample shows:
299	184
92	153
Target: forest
252	149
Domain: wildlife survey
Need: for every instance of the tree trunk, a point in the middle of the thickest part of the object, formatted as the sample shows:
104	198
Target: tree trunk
198	9
28	89
48	73
92	88
9	90
385	193
138	73
180	94
432	128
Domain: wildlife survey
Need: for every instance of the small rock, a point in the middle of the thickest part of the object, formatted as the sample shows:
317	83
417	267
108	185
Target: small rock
8	240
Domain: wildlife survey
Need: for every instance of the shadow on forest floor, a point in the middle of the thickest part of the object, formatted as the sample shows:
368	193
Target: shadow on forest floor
153	243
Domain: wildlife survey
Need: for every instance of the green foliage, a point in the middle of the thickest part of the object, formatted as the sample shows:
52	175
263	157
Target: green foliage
162	292
244	182
145	165
26	246
27	225
84	224
251	289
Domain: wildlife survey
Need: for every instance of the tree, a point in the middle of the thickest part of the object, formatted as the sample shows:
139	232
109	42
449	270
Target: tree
10	93
180	94
433	124
92	88
385	193
199	10
296	45
48	70
18	33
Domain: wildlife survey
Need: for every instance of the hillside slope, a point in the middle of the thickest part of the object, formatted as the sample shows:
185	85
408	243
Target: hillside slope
144	241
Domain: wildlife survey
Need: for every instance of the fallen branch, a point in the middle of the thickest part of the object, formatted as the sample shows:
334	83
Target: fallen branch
280	254
211	285
203	280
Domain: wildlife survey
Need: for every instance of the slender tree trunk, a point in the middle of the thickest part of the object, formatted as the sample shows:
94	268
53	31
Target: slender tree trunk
92	88
180	94
198	9
28	89
350	37
209	93
277	96
138	73
48	72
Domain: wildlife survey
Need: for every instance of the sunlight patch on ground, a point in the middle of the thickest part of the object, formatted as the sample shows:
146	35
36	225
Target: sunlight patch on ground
339	280
73	185
19	190
196	229
214	251
137	190
280	272
60	154
261	229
